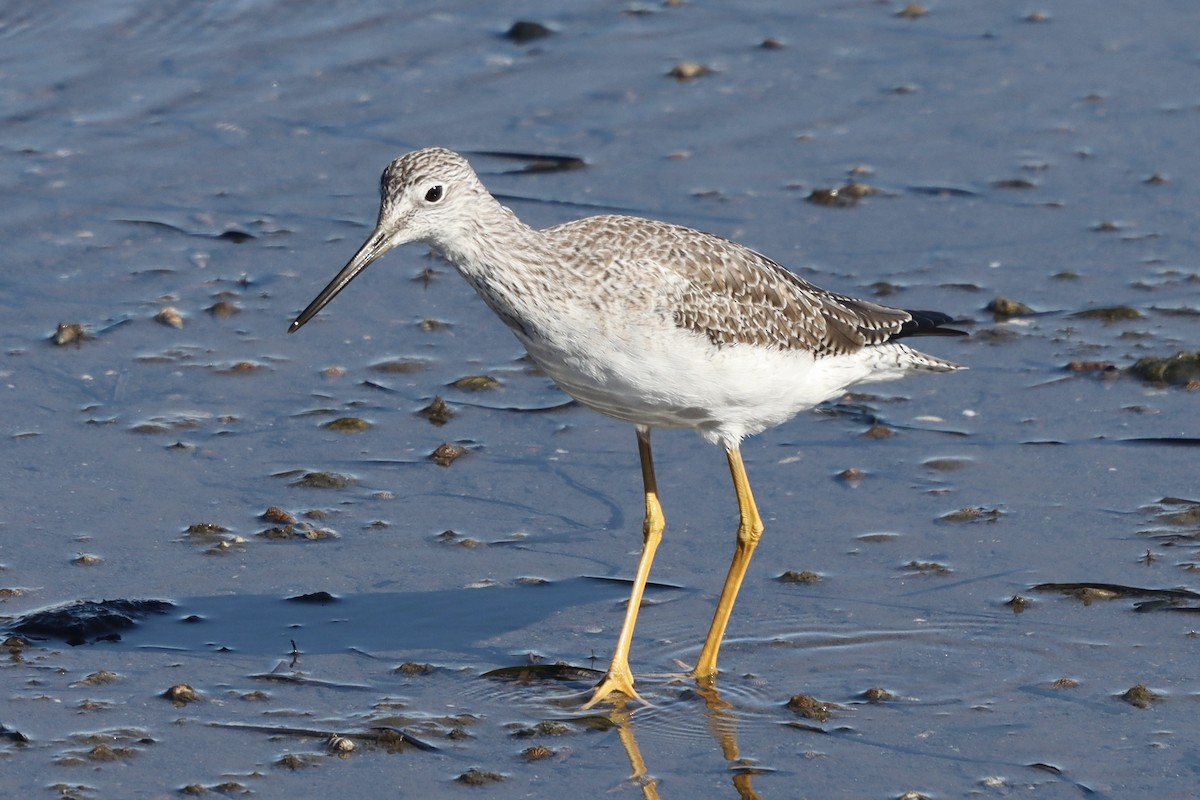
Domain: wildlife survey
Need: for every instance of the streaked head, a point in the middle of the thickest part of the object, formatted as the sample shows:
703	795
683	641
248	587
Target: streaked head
424	196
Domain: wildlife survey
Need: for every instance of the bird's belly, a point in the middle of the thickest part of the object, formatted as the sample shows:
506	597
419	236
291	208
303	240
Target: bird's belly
722	393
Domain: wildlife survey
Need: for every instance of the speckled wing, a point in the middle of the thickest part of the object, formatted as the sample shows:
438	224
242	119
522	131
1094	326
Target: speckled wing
738	296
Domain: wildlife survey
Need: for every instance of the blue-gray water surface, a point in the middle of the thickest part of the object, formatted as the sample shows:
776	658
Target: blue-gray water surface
221	160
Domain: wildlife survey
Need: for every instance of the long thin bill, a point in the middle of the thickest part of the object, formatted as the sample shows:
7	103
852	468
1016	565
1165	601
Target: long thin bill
371	250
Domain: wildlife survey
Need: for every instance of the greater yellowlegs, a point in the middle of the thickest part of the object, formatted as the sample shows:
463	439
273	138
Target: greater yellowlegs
652	323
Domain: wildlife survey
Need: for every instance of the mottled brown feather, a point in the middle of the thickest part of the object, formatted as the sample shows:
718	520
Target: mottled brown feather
734	295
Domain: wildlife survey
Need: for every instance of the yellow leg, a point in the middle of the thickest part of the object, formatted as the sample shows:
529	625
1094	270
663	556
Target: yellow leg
619	677
749	532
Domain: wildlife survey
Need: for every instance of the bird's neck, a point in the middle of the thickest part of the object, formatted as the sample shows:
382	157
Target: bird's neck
512	267
489	244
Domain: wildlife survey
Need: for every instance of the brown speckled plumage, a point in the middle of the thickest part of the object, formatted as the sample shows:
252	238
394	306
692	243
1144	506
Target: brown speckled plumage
734	295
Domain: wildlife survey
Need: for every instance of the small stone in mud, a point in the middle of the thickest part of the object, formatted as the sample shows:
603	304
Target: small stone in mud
877	431
1013	183
477	777
945	463
99	678
206	529
771	43
324	480
1002	307
858	189
413	668
1064	683
1188	513
1140	696
225	546
223	309
834	197
149	427
928	567
86	560
279	533
438	412
1018	603
170	316
972	514
291	761
1109	313
1090	594
70	333
912	11
477	383
877	695
689	70
241	368
318	598
452	537
792	576
103	752
1102	368
524	31
447	453
810	707
1181	369
996	335
181	694
303	531
552	727
852	476
278	515
347	425
399	366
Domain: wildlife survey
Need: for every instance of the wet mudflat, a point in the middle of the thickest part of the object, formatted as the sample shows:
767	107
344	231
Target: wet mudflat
980	583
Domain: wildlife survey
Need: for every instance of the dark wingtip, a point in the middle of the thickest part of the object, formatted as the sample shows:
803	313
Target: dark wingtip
928	323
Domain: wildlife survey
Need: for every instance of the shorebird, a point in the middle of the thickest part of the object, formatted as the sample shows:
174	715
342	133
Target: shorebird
655	324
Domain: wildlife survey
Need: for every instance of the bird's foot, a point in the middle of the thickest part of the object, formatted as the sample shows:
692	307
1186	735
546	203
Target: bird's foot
705	681
616	680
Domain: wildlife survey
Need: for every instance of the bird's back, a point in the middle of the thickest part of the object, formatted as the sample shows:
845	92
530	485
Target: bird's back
729	293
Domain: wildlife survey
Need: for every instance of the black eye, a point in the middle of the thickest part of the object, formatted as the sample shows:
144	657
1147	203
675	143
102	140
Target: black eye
434	194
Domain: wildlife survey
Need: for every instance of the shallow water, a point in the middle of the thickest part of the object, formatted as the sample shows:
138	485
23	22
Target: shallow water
170	155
